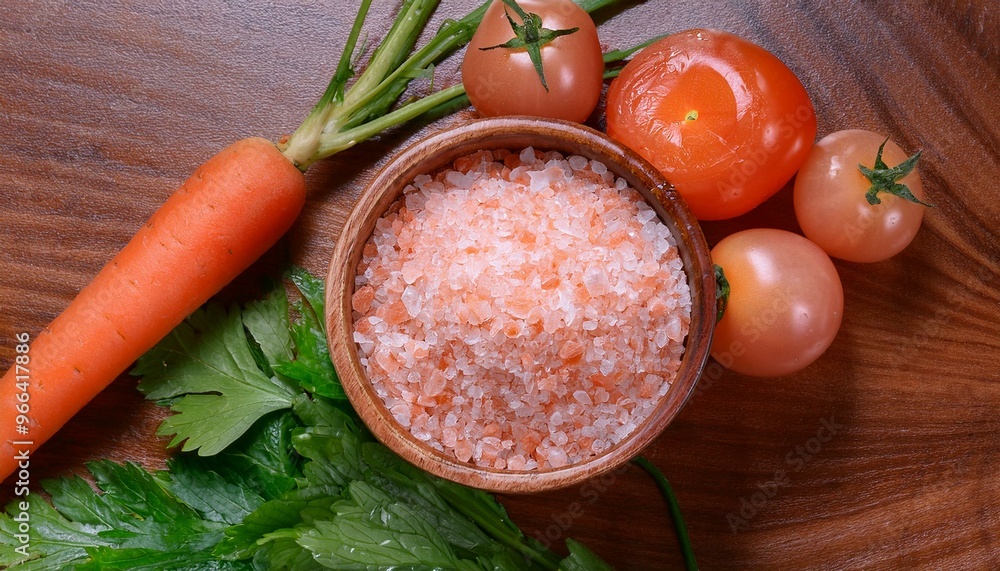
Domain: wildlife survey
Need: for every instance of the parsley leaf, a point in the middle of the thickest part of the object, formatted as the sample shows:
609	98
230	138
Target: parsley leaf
207	362
312	367
54	541
267	322
374	531
133	515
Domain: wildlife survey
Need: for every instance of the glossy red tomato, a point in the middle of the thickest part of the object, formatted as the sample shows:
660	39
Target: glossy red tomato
785	305
724	120
831	206
503	81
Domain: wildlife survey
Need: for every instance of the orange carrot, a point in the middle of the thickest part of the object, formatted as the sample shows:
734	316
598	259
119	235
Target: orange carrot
231	210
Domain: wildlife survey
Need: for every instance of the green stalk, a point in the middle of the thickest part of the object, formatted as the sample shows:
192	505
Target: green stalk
499	528
591	6
616	56
302	143
333	143
675	510
335	91
452	35
341	119
392	51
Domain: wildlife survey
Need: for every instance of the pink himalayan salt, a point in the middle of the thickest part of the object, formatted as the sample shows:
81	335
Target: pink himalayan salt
521	310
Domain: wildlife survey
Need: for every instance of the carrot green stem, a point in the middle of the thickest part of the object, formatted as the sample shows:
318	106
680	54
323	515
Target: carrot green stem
333	143
345	116
452	35
616	56
335	91
675	510
393	49
303	142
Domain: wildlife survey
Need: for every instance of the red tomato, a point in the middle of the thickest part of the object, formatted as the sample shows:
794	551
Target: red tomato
830	201
785	305
503	81
724	120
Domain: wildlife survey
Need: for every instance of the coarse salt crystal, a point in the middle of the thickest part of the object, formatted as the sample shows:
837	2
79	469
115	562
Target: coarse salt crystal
556	457
506	310
582	397
596	281
577	163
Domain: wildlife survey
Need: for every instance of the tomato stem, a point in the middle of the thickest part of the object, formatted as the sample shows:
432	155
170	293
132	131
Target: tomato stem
722	290
530	36
885	179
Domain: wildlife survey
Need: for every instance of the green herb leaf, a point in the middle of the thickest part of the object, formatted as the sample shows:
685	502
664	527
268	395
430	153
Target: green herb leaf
301	489
261	460
54	542
582	559
267	322
312	368
333	443
380	535
313	290
132	514
207	362
884	179
403	481
208	492
137	559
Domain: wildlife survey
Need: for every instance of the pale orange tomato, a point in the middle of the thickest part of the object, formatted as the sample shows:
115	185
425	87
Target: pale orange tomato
785	306
830	202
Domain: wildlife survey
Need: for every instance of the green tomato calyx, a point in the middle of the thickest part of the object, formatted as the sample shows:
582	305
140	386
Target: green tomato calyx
530	36
721	292
885	179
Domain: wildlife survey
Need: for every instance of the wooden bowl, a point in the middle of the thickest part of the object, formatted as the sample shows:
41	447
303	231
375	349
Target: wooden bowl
438	151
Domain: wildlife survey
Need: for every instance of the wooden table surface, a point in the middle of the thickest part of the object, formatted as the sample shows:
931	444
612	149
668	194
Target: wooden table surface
885	453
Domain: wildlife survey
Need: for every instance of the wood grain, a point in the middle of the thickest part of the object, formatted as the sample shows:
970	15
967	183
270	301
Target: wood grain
883	454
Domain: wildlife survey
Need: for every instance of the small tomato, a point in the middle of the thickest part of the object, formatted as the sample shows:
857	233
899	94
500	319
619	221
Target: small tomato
504	81
785	304
837	211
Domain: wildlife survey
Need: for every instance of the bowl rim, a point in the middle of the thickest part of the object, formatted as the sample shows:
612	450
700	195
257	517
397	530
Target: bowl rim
437	151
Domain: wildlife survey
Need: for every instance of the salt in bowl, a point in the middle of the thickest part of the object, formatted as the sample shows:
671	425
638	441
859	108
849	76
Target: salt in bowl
439	151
